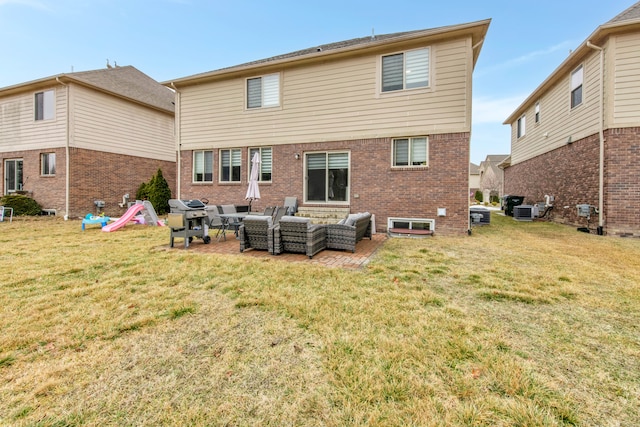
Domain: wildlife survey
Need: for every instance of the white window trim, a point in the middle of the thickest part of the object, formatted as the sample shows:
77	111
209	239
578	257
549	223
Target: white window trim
193	167
404	77
42	171
262	106
348	189
230	181
521	126
572	88
410	138
48	100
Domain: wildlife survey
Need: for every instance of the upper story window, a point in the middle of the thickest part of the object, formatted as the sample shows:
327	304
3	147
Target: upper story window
44	105
203	166
406	70
577	77
48	163
265	163
537	112
410	151
263	91
522	125
230	161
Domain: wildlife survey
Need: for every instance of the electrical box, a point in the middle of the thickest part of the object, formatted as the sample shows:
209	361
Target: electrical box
584	210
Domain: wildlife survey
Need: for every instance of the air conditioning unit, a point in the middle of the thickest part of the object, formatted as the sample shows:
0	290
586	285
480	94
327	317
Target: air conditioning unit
523	213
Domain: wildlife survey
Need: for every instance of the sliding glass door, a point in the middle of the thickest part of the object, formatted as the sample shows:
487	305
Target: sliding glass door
327	175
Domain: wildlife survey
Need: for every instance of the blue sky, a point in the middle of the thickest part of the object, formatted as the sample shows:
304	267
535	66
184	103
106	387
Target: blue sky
168	39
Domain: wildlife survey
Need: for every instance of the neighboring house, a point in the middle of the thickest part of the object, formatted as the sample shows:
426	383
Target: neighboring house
474	180
491	176
379	124
76	138
577	136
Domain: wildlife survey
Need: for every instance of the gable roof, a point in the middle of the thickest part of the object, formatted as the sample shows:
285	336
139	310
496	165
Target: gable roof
628	20
477	30
125	82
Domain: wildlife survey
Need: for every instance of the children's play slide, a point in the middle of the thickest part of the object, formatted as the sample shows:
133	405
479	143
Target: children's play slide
124	219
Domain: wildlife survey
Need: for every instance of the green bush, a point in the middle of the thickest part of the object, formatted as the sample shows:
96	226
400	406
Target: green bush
22	205
479	196
157	191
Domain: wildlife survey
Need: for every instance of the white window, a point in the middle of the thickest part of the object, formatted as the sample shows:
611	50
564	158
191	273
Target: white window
576	86
203	166
406	70
48	163
263	91
265	162
230	161
410	151
537	112
45	105
522	124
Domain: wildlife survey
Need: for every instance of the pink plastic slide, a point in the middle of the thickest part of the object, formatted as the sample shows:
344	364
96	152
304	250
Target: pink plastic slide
124	219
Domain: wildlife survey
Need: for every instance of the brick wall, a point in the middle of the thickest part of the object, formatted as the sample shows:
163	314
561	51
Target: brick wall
96	175
375	186
623	181
570	174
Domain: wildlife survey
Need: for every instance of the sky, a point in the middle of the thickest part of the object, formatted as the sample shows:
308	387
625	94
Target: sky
169	39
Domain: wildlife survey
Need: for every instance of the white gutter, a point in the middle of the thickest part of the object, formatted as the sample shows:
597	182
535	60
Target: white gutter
176	124
601	136
67	179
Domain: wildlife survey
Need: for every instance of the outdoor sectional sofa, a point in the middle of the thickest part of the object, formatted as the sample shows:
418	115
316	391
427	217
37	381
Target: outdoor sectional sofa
299	235
349	231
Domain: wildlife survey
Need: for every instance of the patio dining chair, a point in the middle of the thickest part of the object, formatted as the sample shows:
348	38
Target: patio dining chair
231	222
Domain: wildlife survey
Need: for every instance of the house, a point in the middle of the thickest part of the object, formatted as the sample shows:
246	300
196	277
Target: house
577	136
379	124
474	180
74	140
491	176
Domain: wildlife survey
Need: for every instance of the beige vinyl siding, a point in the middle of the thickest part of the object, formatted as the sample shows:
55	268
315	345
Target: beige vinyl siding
20	131
336	100
557	119
107	123
626	84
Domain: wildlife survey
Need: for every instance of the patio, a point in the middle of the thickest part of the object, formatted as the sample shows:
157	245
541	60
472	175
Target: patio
330	258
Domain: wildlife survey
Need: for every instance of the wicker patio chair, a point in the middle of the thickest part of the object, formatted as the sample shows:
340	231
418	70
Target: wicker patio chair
298	235
345	236
256	232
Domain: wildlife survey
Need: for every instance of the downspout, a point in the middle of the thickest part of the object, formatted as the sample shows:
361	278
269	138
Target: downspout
67	163
177	123
601	136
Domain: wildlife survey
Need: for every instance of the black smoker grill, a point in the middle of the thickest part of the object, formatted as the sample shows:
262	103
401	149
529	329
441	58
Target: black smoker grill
188	219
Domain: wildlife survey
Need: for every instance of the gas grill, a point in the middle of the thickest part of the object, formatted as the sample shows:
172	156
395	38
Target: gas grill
188	219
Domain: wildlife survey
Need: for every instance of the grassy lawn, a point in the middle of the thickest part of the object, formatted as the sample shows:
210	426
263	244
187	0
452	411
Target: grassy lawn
521	324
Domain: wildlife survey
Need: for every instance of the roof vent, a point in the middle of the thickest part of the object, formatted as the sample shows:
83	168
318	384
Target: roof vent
318	49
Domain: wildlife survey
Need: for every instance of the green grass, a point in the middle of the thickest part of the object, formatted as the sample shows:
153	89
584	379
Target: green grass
520	324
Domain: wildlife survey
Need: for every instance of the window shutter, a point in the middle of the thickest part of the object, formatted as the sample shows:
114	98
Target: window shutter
392	72
254	93
417	68
271	90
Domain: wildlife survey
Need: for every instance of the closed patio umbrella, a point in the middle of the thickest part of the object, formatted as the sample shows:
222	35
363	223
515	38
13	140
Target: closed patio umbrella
253	192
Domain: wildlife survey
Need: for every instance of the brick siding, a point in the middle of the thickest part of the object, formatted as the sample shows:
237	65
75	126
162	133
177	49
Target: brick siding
95	175
375	186
570	174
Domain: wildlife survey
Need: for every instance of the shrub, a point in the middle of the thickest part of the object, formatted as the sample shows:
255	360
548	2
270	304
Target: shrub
22	205
157	191
479	196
